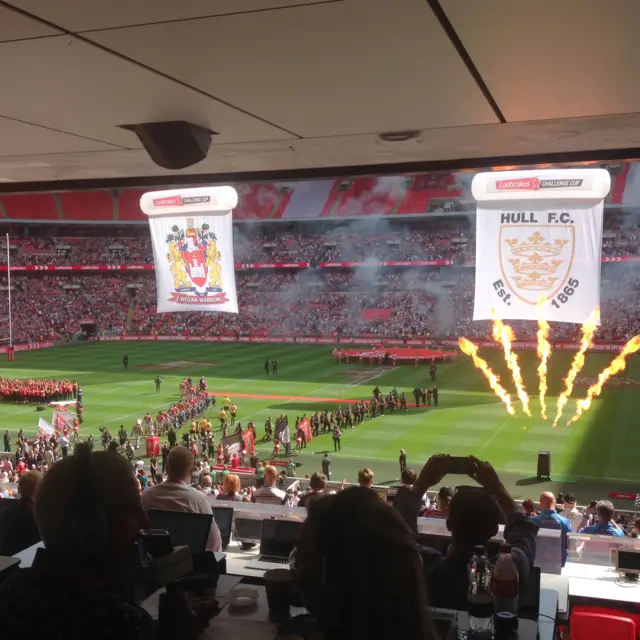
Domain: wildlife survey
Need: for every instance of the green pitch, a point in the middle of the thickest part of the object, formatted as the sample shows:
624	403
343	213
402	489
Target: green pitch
598	454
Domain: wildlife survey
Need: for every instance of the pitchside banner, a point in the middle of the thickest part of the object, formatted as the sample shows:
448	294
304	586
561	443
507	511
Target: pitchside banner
193	248
539	233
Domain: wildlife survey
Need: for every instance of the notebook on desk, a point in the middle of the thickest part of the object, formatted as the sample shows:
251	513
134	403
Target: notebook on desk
277	541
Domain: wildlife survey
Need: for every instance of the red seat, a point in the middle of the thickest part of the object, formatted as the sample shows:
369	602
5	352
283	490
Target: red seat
600	626
87	205
129	205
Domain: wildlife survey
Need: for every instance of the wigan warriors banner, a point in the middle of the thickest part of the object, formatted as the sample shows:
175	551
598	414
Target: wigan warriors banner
539	234
193	248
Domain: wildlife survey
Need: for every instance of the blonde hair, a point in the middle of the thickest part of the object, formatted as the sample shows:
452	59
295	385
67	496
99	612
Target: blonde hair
365	477
231	483
270	474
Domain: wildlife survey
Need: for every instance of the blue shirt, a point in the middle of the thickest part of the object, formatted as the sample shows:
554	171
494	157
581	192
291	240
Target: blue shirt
550	519
604	529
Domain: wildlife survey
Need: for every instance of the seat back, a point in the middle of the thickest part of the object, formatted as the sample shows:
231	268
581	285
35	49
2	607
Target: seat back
598	626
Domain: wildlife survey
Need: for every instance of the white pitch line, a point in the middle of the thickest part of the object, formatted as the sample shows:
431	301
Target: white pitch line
495	433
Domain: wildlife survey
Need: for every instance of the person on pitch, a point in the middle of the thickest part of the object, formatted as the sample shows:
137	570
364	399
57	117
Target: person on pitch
336	439
233	410
417	394
222	416
432	370
276	448
428	397
434	393
403	402
123	435
158	381
136	432
403	460
125	361
274	366
266	366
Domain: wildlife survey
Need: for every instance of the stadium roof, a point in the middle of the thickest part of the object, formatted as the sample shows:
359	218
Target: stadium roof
300	84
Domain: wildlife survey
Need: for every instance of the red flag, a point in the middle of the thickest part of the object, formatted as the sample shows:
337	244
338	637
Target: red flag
306	429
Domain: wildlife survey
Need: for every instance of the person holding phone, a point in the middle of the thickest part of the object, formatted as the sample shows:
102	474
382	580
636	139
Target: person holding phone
474	514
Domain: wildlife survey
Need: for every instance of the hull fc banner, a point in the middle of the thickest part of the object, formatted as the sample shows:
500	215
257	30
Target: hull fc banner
193	248
539	235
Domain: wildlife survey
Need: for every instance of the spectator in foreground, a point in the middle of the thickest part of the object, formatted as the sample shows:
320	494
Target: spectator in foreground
18	528
572	513
407	477
365	478
549	518
605	526
529	508
231	489
177	495
473	519
317	485
269	493
356	529
443	504
89	514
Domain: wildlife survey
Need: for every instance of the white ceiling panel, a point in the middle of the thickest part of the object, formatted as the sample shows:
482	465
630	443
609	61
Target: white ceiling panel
496	140
550	59
72	86
83	15
359	66
21	139
14	26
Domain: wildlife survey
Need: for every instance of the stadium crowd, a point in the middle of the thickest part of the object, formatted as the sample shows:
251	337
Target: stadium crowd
398	302
433	303
449	238
50	499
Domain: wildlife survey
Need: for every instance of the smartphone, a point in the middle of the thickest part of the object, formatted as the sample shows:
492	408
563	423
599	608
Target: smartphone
459	465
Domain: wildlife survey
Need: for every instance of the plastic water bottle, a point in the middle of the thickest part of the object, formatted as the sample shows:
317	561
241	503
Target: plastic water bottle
479	598
505	589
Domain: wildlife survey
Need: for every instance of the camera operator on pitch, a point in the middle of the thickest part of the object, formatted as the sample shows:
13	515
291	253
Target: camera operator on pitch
473	520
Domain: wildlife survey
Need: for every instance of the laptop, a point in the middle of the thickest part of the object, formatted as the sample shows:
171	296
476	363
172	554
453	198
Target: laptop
188	529
277	541
224	519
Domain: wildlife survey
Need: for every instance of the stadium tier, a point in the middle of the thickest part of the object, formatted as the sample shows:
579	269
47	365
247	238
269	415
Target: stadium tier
403	303
446	241
436	193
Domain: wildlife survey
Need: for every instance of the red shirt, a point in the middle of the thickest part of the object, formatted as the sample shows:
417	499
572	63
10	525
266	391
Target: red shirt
21	468
235	462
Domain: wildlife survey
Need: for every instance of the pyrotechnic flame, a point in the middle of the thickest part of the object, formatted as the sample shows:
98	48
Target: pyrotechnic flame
503	334
586	342
472	350
617	364
544	353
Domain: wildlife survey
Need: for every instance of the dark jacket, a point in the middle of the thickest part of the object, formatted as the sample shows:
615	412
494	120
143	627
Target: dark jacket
446	576
18	528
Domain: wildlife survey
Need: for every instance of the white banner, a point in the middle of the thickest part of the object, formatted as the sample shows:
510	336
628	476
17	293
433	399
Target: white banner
539	233
44	426
193	248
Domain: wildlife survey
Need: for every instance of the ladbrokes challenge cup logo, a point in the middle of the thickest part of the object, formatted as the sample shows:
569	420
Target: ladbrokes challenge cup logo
194	262
536	254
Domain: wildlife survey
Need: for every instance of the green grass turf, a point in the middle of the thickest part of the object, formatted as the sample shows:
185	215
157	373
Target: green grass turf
598	454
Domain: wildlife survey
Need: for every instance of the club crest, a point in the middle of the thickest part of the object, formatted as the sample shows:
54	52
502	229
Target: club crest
194	262
536	262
